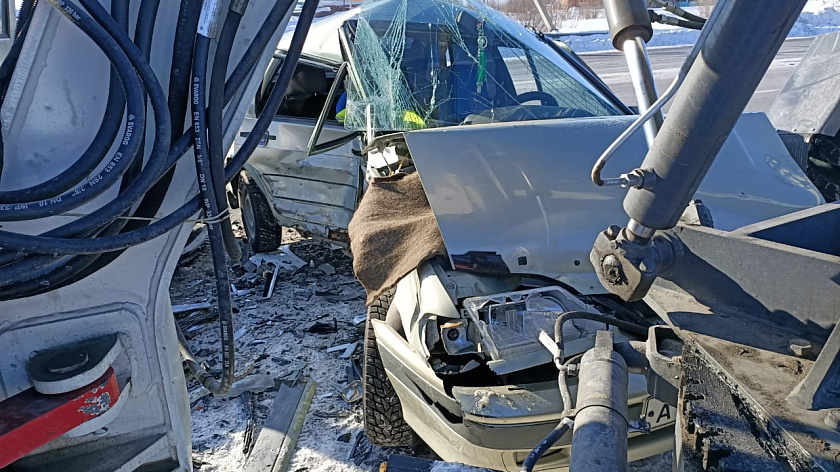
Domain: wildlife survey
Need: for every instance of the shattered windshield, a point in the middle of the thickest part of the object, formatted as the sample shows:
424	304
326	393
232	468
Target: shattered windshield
429	63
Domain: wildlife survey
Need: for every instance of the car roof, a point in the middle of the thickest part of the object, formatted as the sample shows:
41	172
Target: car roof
322	40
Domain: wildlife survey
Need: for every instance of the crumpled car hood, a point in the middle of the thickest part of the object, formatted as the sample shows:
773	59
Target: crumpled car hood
517	197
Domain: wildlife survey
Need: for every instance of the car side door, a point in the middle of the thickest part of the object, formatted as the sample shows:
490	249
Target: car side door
307	165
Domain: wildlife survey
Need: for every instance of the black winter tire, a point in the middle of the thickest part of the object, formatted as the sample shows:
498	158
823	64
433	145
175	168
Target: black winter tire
384	423
261	228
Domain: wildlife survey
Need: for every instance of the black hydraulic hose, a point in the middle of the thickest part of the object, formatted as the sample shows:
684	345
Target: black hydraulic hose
156	163
146	18
673	8
236	80
143	35
215	117
562	428
252	55
211	210
621	311
131	140
27	7
208	195
670	20
275	99
179	72
55	242
585	315
134	133
177	150
36	267
6	70
10	61
178	98
99	146
237	77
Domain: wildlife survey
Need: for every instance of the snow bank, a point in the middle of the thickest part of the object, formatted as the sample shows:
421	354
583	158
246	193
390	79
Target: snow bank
818	17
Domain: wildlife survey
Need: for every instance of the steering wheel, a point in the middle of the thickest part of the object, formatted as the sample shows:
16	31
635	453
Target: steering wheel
545	98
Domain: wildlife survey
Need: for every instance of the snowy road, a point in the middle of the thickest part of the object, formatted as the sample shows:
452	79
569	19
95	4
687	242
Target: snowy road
666	61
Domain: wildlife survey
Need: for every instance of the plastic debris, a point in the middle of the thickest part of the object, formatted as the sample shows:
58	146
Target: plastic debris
326	268
252	383
352	392
320	327
176	309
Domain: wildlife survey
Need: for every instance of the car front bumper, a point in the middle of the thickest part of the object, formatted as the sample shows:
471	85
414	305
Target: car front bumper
494	427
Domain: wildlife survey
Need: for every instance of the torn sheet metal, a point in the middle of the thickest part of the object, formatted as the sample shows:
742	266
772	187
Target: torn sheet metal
283	257
522	190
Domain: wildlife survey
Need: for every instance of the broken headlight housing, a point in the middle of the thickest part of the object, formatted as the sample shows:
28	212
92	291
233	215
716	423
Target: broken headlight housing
510	324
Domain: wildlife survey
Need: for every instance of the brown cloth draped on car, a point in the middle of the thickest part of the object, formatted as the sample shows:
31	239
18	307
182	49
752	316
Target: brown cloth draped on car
392	232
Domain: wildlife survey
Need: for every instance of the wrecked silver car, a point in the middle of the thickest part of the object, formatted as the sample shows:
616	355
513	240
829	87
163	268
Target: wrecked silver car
477	137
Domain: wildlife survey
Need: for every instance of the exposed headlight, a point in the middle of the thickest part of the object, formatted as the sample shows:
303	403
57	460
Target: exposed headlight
510	323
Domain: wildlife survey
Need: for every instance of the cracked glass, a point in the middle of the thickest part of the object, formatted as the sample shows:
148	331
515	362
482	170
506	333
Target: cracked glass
431	63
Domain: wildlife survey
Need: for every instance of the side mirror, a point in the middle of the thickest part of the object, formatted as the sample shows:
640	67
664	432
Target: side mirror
314	147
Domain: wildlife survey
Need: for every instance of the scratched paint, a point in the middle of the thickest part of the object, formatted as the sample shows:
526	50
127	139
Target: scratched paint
97	405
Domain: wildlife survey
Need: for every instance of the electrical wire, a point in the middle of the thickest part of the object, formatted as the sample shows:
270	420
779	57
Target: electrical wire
540	449
585	315
658	104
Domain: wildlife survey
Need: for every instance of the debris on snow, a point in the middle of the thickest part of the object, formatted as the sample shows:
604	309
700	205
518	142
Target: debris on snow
178	309
326	269
352	392
282	257
274	339
323	328
348	349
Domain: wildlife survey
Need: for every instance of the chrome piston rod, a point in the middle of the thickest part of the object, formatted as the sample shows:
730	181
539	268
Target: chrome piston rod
644	87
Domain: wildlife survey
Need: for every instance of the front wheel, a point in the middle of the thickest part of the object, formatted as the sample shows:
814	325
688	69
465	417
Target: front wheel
384	423
261	228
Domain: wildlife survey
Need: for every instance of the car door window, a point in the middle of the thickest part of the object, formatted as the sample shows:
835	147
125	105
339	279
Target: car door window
519	68
307	92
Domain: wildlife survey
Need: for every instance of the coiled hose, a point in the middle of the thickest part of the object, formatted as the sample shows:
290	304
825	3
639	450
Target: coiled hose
73	250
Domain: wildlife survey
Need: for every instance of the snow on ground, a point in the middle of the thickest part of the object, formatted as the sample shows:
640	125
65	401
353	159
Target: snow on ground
818	17
272	339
